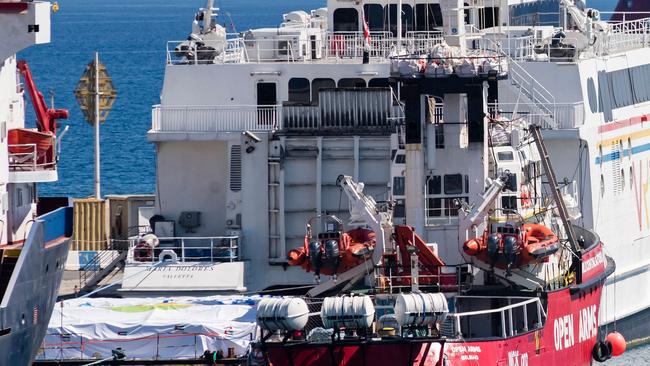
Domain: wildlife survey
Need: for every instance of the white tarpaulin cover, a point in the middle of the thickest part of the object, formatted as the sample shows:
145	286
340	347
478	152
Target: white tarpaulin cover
149	328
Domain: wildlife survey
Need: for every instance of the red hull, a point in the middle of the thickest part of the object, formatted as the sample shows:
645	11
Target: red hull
567	337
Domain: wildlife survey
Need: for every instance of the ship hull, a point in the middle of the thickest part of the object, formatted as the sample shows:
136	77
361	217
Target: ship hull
33	287
568	336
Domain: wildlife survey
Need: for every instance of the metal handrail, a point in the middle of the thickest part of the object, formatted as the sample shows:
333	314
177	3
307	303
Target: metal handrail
507	330
232	245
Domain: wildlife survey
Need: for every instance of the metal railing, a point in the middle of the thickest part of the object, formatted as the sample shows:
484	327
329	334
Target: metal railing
506	315
554	116
627	35
27	157
216	118
92	272
344	110
299	48
187	249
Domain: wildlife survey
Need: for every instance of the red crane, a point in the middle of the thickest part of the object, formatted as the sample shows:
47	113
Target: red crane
46	116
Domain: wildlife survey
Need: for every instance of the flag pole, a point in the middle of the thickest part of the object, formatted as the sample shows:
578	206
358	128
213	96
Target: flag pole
98	194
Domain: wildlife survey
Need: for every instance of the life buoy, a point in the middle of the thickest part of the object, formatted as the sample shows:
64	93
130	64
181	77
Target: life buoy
143	252
525	196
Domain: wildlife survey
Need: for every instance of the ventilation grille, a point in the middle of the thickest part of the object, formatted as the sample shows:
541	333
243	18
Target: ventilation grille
235	168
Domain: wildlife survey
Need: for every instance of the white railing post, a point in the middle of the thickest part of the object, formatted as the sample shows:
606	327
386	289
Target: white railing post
183	250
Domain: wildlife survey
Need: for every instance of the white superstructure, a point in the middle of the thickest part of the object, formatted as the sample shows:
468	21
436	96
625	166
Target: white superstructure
250	142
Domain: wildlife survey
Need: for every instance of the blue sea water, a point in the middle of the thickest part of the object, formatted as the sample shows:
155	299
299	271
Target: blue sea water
131	36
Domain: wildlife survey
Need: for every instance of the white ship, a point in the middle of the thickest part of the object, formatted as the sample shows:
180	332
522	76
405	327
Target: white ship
33	244
250	138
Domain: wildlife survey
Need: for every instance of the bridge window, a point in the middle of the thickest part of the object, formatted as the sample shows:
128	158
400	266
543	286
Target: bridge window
374	16
398	186
352	83
378	83
641	83
299	90
447	204
621	87
453	184
317	85
407	18
346	20
428	17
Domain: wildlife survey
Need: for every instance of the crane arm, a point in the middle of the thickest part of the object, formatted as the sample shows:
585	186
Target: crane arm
46	116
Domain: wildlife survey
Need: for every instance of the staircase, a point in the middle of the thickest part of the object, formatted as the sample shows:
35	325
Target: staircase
92	273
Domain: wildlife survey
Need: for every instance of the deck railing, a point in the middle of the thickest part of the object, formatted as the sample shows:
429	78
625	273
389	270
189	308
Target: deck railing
299	48
187	249
28	158
506	315
216	118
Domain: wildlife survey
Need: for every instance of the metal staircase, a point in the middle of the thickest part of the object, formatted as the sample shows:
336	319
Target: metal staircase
91	274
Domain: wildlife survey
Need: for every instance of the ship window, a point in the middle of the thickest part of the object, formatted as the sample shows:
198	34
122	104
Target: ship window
453	184
466	183
378	83
621	87
400	209
427	17
317	85
346	20
407	18
299	90
509	202
505	156
593	97
398	186
400	159
511	182
374	16
434	185
488	17
352	83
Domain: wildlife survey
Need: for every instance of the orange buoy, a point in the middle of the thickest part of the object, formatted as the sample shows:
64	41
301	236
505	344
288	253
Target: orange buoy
472	246
618	343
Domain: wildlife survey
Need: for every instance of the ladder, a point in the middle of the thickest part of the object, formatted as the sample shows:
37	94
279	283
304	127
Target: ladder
555	189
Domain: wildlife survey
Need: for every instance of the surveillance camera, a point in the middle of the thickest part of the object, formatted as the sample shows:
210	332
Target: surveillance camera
252	136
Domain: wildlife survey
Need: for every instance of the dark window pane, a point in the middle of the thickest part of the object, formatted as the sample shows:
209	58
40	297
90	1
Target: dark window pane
378	83
466	184
407	18
453	184
434	207
317	85
427	17
453	204
400	209
400	159
299	90
509	202
505	156
374	16
398	186
346	20
352	83
434	185
511	183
